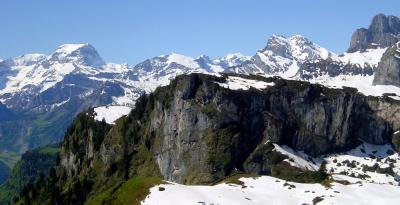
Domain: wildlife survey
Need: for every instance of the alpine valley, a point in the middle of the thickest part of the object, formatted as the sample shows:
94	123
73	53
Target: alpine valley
293	124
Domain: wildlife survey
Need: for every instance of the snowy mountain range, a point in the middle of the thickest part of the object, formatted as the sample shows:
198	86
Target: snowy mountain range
27	77
75	77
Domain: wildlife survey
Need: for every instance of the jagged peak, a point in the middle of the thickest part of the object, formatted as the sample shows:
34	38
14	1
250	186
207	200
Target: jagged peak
295	46
294	38
384	23
284	41
203	59
383	31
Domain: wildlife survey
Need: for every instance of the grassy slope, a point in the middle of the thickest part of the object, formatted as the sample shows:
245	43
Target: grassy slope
131	192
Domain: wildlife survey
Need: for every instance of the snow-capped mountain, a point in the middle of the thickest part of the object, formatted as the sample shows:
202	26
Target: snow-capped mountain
26	79
285	57
83	54
282	56
31	75
40	72
160	70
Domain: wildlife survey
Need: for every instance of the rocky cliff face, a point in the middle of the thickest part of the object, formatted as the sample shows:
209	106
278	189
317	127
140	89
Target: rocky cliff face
195	131
332	68
198	131
388	71
383	32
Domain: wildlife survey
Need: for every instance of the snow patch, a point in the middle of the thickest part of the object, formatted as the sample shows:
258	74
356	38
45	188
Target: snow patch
69	48
364	84
370	57
298	159
110	113
60	103
238	83
367	162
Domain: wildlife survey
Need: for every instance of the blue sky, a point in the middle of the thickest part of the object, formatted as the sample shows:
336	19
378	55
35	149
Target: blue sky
131	31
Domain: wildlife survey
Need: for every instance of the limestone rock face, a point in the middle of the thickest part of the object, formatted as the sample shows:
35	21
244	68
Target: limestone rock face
314	69
383	32
388	71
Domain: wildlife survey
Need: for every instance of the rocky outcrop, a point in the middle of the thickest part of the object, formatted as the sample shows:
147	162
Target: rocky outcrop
328	67
383	32
388	71
194	131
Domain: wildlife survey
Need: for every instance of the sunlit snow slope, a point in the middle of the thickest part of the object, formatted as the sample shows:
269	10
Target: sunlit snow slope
267	190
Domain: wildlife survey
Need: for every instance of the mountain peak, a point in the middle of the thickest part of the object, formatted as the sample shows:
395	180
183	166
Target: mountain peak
385	24
279	41
182	60
84	54
69	48
296	46
202	56
384	31
282	38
